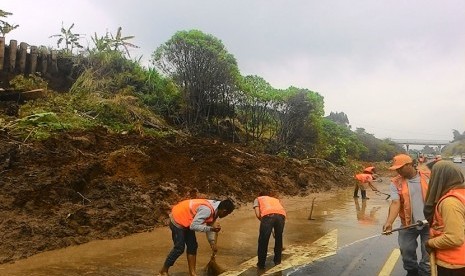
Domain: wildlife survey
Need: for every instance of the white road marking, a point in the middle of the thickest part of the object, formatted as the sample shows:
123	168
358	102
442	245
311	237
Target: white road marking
300	255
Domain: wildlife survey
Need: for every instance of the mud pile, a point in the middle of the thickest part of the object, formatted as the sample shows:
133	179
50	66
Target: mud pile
82	186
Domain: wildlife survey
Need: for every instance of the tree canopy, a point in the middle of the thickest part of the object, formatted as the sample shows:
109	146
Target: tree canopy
206	72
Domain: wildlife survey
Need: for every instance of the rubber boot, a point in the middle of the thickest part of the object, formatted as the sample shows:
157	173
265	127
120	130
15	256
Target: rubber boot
191	261
356	192
364	195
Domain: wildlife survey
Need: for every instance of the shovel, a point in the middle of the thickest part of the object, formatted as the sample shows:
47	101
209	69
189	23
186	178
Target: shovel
380	193
212	268
418	223
433	264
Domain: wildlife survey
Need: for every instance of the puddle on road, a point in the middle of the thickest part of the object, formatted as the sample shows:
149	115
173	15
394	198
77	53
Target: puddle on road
144	253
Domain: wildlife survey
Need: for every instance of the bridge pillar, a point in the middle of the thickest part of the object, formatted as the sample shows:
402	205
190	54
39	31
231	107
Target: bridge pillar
440	147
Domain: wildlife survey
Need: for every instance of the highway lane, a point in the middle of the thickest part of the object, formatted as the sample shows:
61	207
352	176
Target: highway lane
342	239
351	243
375	255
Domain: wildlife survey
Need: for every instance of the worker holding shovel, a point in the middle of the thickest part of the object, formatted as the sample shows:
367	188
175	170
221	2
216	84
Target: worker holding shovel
408	192
445	209
190	216
272	216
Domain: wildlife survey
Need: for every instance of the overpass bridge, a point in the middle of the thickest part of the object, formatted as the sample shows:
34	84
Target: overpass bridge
407	142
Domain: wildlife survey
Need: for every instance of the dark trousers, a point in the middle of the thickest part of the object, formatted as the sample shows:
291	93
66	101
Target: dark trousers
363	192
267	224
182	238
442	271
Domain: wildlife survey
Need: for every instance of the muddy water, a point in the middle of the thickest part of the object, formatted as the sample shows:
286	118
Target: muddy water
143	254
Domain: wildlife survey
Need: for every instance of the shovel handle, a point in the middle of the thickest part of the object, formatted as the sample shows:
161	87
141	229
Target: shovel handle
418	223
432	262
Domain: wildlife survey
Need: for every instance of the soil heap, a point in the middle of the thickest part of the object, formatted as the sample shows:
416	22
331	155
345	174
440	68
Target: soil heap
81	186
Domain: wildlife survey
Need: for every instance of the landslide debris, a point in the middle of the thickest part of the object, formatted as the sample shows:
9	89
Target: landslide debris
85	185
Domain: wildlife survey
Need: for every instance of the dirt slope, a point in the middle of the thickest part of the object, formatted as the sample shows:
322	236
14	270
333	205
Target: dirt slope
82	186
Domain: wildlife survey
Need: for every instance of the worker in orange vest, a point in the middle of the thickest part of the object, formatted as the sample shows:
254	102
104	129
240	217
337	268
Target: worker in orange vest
421	159
272	216
190	216
365	180
408	193
445	211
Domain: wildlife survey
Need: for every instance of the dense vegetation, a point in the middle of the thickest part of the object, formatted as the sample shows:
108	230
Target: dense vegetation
195	86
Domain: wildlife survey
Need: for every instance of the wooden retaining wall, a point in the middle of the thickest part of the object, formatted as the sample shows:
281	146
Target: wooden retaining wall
27	59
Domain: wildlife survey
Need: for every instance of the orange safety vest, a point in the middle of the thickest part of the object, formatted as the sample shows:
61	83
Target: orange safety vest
405	212
456	255
270	205
184	212
364	177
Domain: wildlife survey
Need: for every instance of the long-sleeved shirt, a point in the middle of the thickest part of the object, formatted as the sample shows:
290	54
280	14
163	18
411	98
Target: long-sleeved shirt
453	214
203	212
198	223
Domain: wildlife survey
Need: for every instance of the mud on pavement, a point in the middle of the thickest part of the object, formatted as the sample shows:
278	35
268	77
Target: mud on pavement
82	186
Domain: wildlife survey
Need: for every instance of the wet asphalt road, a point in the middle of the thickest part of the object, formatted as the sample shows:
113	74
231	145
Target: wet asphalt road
343	238
364	257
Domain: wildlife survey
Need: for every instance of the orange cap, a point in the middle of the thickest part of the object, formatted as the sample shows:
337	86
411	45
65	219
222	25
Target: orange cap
400	160
369	169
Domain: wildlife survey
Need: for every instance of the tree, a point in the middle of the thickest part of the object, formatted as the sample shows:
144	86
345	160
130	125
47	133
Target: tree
111	42
255	106
457	135
300	113
339	143
207	74
339	117
6	27
296	112
70	39
376	149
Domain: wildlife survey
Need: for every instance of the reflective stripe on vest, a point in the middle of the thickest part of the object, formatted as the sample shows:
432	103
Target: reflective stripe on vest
454	255
184	212
405	212
270	205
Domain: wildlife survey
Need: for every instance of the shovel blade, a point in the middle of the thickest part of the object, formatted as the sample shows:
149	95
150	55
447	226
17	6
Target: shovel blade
213	269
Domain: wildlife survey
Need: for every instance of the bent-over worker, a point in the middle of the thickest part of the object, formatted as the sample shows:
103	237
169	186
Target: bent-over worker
190	216
272	216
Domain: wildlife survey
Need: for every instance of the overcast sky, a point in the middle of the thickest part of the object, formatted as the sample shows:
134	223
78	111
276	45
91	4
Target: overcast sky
396	68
